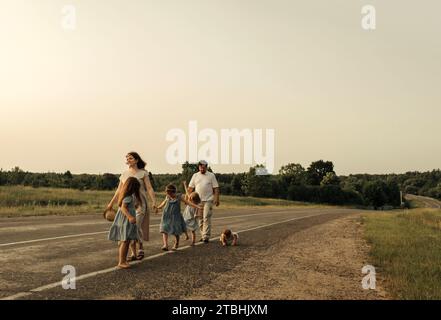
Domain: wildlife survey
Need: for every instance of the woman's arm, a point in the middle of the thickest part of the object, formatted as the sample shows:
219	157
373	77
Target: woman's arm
115	196
150	191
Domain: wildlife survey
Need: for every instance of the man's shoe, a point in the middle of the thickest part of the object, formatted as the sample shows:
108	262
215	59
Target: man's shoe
206	240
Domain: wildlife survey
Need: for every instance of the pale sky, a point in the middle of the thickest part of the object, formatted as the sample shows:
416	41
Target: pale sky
79	100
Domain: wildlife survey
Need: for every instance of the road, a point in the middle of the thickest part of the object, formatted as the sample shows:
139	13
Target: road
426	201
33	251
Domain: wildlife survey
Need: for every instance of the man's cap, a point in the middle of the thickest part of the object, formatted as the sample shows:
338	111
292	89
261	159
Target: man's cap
203	162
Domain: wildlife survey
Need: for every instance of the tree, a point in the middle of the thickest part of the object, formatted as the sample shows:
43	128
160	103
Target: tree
258	185
318	170
109	181
392	192
188	170
330	179
68	175
2	177
352	183
16	176
374	193
292	173
237	185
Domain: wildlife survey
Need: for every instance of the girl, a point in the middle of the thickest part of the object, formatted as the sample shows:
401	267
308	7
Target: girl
172	221
137	169
124	227
190	214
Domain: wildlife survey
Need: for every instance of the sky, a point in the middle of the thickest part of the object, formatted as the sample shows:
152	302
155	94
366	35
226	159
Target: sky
131	71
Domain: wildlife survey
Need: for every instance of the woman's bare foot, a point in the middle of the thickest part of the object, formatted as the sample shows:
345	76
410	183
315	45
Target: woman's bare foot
123	266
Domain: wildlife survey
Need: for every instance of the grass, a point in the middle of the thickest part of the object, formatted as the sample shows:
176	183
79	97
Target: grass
27	201
406	249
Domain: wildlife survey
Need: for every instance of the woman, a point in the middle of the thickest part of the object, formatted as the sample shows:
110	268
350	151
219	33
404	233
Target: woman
137	170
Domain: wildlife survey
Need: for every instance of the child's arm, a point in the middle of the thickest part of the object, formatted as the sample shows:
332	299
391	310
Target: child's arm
125	211
186	189
160	206
191	204
224	243
234	240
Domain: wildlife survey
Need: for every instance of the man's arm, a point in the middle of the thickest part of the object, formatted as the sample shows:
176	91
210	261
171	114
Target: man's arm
216	190
216	196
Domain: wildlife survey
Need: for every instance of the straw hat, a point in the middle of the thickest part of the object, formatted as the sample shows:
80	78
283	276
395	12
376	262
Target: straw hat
109	215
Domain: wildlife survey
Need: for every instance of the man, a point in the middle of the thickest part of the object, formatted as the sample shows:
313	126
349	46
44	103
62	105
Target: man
205	184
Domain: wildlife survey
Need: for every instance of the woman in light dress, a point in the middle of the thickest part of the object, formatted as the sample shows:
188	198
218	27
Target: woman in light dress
137	169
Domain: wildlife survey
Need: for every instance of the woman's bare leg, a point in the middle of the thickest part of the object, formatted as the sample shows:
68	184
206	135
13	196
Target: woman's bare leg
133	248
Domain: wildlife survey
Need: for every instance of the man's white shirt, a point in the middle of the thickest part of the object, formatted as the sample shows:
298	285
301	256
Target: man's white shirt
203	184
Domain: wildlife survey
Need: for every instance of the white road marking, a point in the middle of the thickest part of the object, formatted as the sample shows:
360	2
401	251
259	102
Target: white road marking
102	232
53	238
93	274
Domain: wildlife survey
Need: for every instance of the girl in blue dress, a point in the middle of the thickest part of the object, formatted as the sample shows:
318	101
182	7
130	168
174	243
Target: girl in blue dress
191	214
172	222
124	227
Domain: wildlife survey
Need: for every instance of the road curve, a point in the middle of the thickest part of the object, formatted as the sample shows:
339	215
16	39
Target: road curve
428	202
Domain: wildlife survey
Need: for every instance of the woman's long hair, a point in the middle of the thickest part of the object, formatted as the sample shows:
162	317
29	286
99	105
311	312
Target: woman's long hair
130	187
141	163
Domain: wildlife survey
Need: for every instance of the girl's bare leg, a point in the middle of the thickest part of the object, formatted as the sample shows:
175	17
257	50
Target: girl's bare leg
176	246
165	241
123	250
193	237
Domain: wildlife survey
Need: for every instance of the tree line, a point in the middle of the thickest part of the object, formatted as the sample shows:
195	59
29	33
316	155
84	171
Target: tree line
317	183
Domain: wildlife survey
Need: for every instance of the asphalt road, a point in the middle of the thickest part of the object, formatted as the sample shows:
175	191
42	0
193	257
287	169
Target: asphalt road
33	251
428	202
